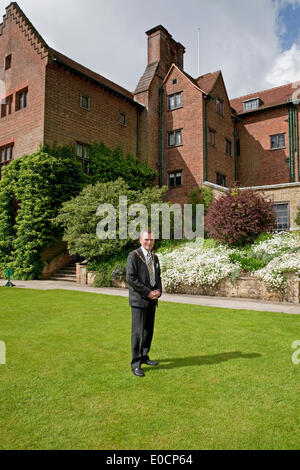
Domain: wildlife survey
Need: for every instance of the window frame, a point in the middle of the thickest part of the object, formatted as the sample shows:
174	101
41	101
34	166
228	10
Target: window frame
6	161
124	115
224	179
220	106
176	106
256	101
212	139
85	97
21	94
277	147
228	147
7	62
84	158
6	108
174	133
287	204
175	173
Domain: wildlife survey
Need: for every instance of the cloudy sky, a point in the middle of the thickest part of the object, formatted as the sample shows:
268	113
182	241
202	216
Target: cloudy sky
256	43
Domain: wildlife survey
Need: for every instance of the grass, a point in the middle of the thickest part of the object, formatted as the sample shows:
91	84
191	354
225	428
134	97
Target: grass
225	379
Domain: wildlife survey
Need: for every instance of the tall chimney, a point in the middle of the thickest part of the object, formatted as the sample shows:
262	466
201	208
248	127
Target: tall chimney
164	49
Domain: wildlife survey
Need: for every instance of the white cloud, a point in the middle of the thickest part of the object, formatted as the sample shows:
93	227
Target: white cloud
286	67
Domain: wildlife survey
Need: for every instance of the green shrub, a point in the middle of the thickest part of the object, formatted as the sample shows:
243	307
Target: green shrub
79	218
109	165
246	261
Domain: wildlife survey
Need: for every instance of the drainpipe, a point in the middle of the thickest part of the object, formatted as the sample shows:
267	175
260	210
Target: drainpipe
293	144
207	99
160	137
237	120
297	139
138	134
290	140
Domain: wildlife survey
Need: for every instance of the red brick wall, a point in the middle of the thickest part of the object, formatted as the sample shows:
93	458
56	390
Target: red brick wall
66	122
189	156
218	160
150	124
257	164
24	127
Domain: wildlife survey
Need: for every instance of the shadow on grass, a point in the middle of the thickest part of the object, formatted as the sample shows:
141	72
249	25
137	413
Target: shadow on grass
175	362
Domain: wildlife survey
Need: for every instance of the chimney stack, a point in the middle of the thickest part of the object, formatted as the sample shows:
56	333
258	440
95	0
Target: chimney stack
164	49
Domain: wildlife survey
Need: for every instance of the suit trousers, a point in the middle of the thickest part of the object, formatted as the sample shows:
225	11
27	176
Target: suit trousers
142	333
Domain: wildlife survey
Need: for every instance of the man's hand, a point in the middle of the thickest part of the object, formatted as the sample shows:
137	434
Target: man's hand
154	295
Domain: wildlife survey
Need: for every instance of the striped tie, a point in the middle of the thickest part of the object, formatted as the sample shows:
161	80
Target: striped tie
150	268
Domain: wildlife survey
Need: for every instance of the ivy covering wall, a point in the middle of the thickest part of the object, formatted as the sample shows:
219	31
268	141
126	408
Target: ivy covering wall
32	190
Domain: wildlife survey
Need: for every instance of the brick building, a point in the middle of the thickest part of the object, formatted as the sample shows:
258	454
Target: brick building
186	128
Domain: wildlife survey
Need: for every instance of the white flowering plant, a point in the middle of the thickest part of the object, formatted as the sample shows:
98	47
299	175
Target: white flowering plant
205	264
194	265
283	253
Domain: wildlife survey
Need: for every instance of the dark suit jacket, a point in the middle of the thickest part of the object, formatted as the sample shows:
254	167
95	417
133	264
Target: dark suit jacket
137	276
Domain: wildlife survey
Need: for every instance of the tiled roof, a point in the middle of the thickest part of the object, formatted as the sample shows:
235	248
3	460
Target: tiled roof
206	82
90	74
272	97
147	78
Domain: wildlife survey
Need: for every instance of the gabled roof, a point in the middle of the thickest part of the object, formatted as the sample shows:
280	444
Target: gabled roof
207	81
39	44
87	73
191	79
42	48
272	97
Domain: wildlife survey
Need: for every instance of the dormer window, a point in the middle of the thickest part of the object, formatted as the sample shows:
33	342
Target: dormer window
252	104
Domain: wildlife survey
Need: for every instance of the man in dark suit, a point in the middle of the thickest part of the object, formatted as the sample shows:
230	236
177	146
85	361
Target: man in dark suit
144	279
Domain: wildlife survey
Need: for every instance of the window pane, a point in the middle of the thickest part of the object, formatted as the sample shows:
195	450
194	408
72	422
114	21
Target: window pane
21	101
178	100
3	155
281	140
85	102
273	141
178	179
79	150
171	139
178	138
171	102
171	179
282	217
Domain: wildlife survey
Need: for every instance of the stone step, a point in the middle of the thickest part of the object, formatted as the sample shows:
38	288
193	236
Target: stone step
66	273
65	278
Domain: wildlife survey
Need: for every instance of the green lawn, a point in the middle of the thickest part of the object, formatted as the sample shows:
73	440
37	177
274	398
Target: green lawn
225	379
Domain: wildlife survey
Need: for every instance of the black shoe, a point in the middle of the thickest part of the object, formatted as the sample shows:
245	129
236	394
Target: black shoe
150	363
138	372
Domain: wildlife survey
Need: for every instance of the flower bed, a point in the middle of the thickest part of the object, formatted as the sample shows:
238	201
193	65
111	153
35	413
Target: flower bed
202	267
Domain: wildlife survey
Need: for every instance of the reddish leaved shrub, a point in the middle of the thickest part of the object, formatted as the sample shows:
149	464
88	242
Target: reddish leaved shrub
238	217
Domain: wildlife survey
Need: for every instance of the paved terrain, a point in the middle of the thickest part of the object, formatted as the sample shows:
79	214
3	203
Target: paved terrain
233	303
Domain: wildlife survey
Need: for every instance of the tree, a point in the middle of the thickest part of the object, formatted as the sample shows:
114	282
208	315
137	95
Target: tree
79	218
237	217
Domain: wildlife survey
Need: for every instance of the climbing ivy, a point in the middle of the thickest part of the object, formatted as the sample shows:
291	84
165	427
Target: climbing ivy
32	190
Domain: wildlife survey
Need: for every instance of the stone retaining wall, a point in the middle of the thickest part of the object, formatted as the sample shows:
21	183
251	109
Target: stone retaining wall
248	287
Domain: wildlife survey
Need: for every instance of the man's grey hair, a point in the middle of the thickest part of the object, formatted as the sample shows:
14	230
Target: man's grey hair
146	230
